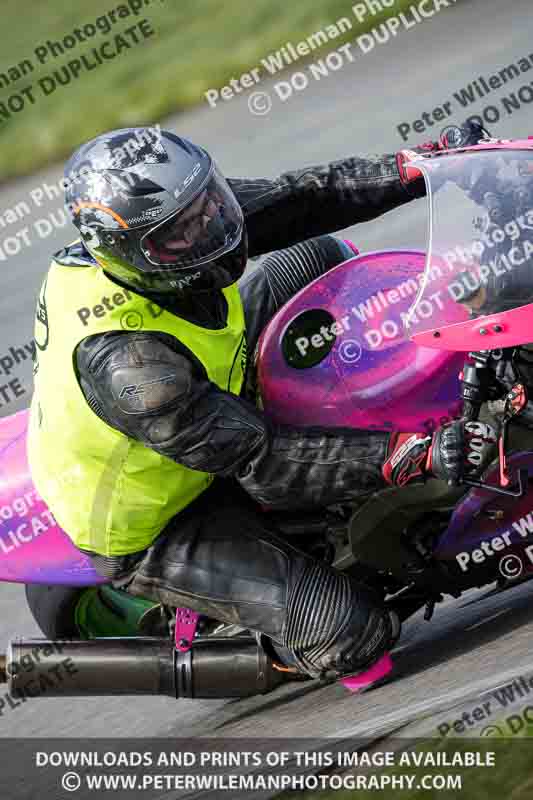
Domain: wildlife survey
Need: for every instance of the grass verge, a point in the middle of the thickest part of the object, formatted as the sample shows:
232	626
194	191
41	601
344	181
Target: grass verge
196	45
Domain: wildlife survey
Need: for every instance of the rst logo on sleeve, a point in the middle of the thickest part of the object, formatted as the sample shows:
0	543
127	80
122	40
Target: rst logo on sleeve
135	389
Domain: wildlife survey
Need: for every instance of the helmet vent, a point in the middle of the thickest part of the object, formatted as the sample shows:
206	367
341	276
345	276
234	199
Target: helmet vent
131	184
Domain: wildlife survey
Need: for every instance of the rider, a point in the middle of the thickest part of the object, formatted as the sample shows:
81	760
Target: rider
144	334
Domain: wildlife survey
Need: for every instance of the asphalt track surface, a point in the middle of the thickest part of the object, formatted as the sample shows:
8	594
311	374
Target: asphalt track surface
469	642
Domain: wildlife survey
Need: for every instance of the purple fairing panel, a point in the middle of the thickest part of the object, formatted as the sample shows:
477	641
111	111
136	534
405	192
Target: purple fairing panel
373	376
33	548
481	516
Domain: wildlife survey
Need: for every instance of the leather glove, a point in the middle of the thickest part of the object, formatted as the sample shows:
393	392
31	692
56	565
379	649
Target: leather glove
457	450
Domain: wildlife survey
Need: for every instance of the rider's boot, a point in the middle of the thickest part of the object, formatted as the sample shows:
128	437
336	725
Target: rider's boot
229	563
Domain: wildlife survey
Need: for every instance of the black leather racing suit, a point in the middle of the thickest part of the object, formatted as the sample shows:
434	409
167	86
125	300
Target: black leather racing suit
221	555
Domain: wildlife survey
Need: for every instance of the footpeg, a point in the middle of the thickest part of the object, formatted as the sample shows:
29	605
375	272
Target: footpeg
186	624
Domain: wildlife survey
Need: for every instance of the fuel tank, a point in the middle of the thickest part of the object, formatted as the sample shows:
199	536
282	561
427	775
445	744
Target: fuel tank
33	548
337	354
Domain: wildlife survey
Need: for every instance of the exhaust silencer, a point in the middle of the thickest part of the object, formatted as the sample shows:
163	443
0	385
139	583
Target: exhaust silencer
215	667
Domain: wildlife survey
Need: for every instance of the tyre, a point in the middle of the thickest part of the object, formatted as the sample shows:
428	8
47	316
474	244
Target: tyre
54	609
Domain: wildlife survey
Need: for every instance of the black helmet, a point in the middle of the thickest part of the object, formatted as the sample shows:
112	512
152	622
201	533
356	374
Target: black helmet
155	212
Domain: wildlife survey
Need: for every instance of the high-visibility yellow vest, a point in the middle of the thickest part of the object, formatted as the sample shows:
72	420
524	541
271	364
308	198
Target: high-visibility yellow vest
111	494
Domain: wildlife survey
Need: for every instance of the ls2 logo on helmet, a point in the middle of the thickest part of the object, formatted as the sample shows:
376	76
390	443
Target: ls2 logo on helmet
188	180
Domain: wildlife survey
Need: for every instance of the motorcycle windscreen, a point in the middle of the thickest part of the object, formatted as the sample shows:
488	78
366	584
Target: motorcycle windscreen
477	288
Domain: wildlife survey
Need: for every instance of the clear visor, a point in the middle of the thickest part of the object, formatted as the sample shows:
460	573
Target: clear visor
480	243
210	226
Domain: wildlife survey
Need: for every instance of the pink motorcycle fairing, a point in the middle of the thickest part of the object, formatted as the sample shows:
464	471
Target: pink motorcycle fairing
490	332
337	354
362	379
484	517
33	548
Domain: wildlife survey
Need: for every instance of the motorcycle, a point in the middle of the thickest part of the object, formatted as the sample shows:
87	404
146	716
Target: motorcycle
396	340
